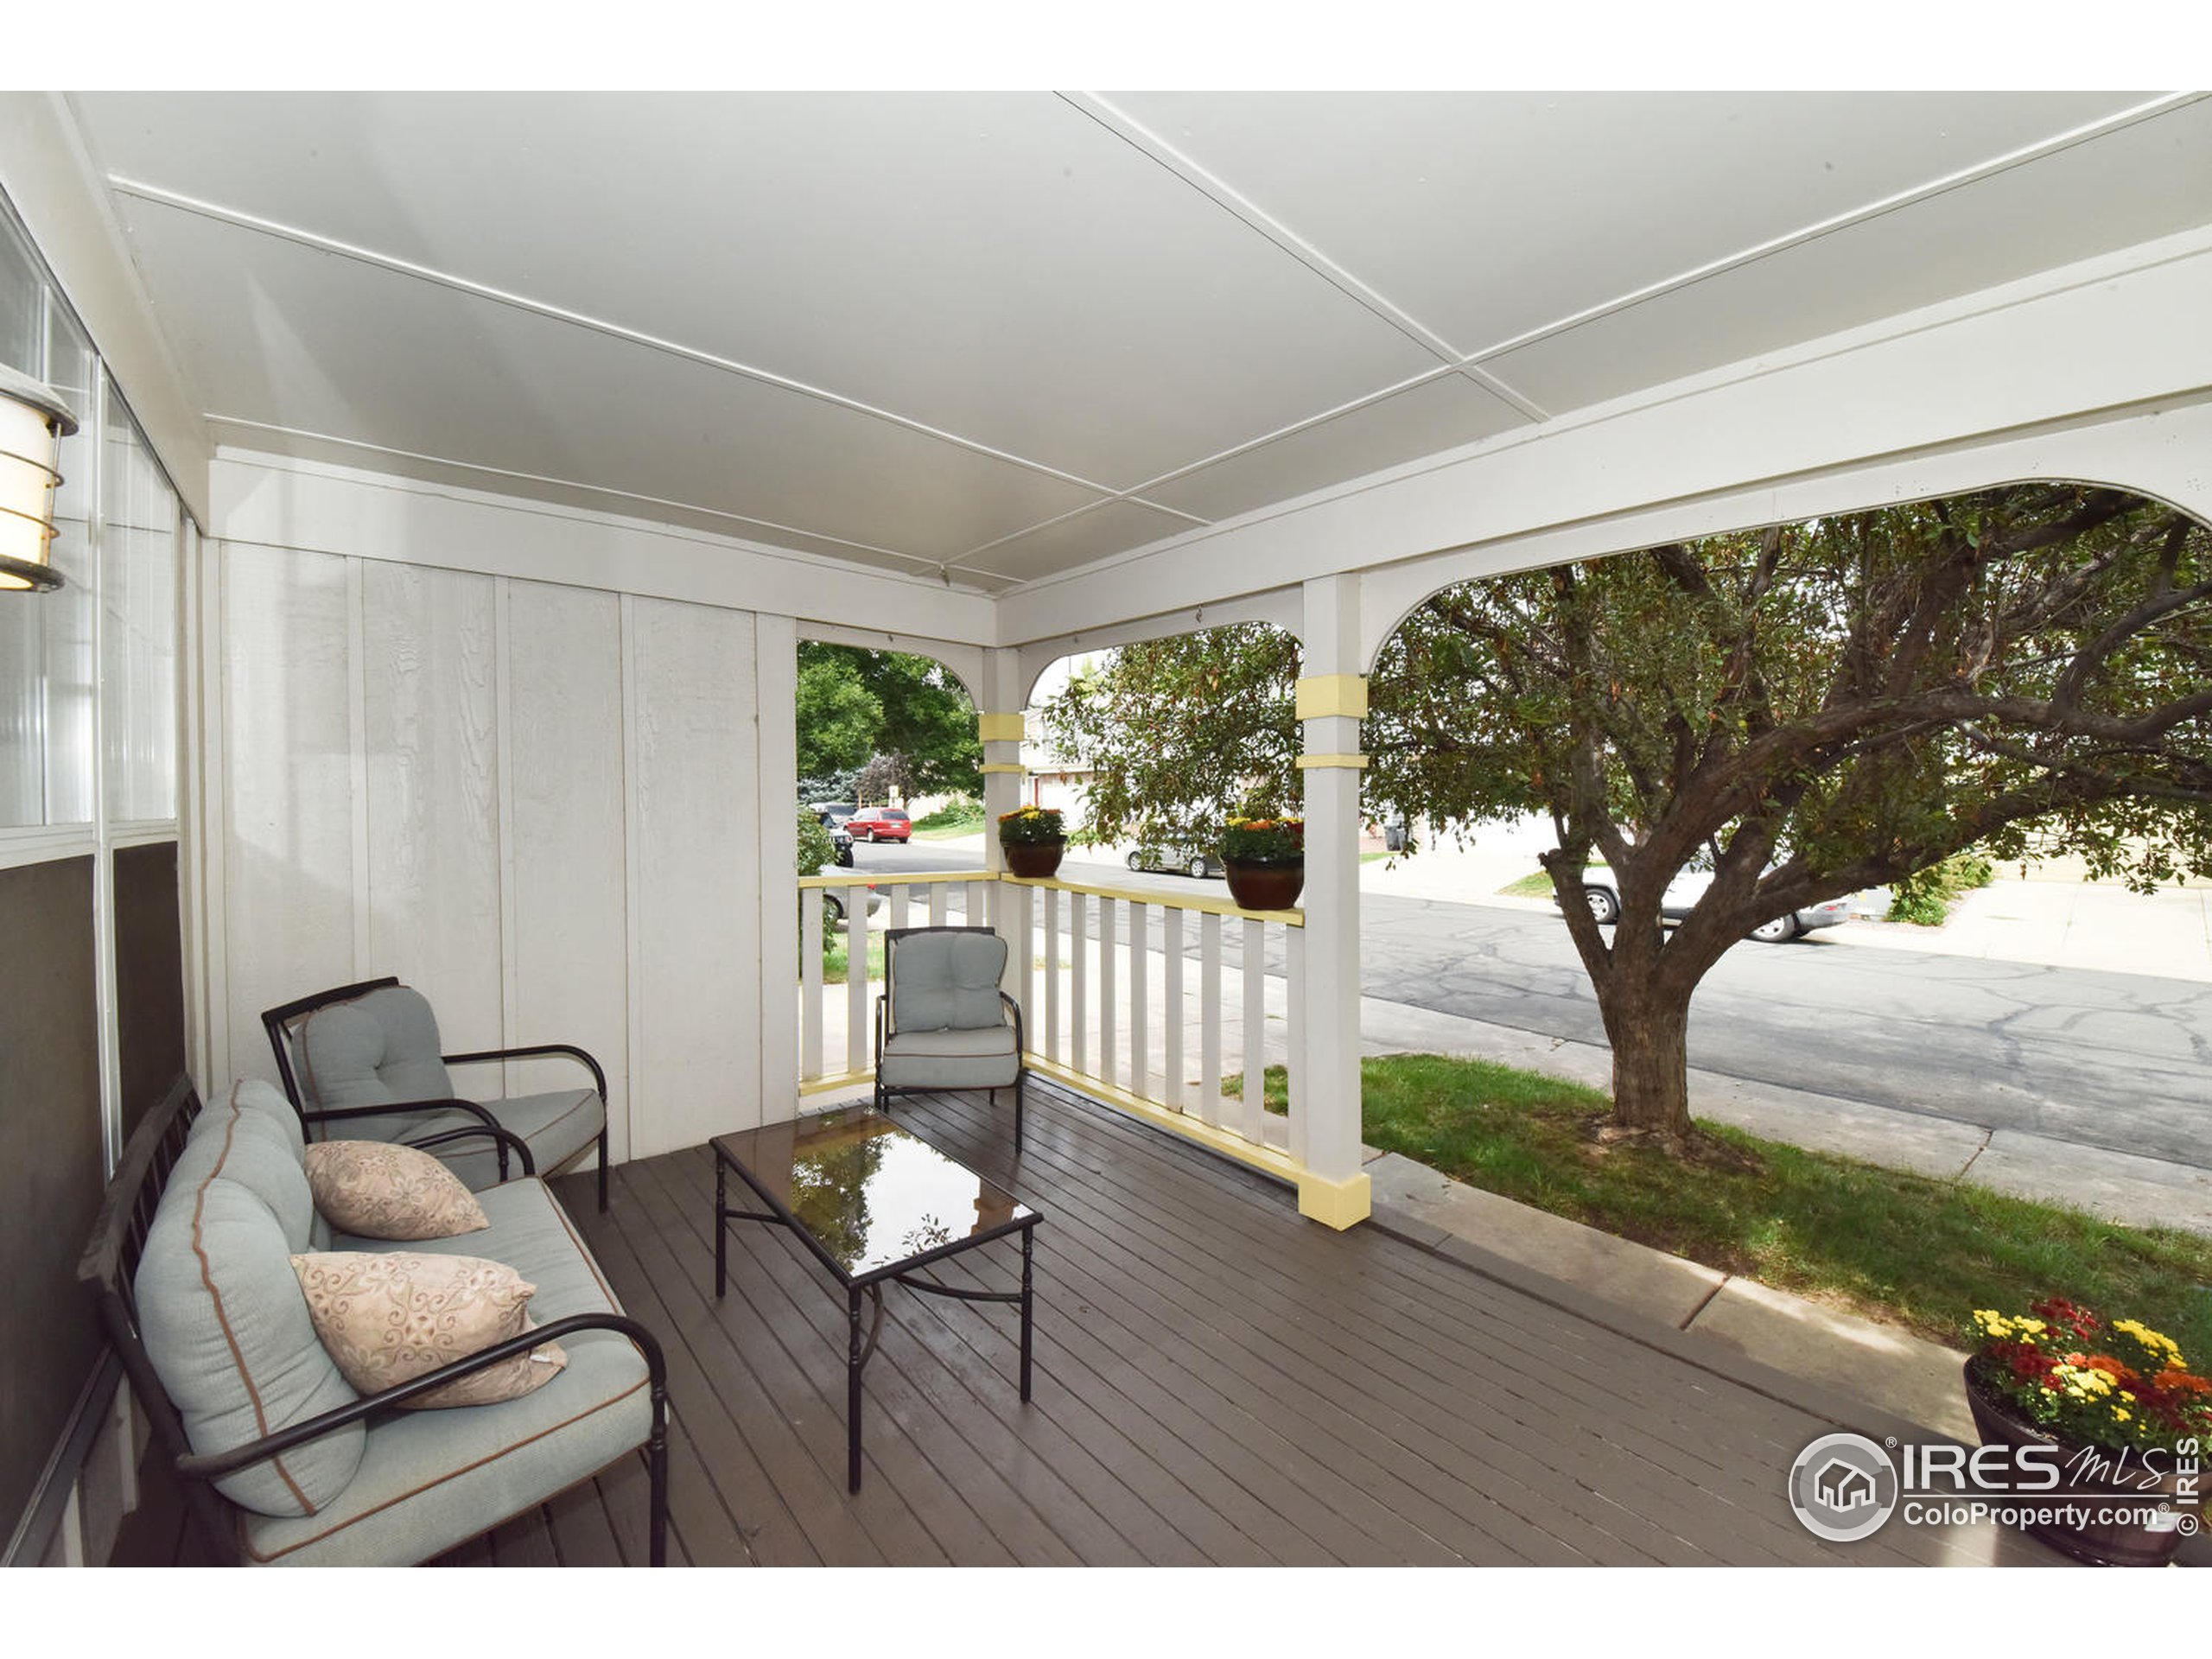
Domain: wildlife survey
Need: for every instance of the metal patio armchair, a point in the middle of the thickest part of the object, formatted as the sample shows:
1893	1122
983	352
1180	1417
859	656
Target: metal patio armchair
942	1021
366	1057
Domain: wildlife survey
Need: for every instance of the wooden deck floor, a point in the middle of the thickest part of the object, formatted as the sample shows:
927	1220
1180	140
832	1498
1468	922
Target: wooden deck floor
1217	1381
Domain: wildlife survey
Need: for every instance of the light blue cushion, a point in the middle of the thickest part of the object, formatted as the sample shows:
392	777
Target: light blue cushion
944	981
255	1095
555	1126
380	1049
257	1148
982	1059
428	1481
223	1318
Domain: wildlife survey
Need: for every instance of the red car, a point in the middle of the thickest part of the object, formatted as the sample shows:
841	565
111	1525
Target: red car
879	823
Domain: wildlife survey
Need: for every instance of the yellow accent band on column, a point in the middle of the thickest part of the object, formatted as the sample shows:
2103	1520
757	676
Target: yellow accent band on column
1015	766
1336	1204
1000	729
1354	762
1329	697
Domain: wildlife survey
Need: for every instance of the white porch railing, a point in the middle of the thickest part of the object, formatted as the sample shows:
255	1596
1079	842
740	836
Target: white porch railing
1149	1000
841	1024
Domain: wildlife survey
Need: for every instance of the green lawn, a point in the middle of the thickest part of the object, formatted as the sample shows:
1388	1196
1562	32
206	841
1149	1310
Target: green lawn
954	818
1921	1252
1538	886
837	961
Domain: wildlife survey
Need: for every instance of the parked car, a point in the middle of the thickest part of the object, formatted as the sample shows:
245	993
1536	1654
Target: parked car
1181	859
879	823
1687	888
833	814
833	904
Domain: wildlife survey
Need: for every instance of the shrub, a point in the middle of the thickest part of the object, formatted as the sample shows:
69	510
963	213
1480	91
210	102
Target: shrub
816	852
1924	897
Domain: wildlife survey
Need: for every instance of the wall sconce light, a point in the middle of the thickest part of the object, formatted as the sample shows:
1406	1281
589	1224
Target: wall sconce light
33	423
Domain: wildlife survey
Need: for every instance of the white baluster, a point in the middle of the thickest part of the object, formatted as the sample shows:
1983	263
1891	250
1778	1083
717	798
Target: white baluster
1294	1058
1210	1018
1025	962
809	981
1170	940
1256	1030
1140	1003
1079	992
1051	1048
1110	943
859	1038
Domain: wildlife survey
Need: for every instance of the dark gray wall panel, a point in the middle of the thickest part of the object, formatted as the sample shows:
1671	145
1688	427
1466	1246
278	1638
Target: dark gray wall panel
148	976
51	1167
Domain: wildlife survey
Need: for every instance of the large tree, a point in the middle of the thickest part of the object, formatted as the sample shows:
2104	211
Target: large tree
857	706
1805	710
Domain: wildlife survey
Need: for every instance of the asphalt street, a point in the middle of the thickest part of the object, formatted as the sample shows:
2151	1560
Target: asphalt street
2118	1061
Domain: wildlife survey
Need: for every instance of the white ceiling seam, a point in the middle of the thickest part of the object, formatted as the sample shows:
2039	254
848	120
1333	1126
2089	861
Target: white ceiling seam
1808	233
284	502
217	418
1307	424
240	219
1140	137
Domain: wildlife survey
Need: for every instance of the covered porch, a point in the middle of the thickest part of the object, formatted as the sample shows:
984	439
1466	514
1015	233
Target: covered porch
479	669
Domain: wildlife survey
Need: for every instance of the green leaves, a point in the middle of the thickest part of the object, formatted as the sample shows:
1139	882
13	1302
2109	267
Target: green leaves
909	712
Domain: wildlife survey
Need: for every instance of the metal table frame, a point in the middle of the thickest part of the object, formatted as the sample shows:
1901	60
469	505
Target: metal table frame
861	1349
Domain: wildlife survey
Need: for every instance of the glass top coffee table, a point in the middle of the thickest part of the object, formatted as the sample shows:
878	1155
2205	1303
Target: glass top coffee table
873	1203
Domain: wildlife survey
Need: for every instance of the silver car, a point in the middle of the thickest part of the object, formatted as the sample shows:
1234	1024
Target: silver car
1686	889
1181	860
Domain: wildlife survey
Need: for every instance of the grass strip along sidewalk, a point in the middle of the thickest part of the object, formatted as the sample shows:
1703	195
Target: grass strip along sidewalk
1915	1251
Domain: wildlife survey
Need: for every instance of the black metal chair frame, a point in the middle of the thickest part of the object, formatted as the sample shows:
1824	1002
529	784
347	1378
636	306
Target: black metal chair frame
882	1014
109	1269
277	1022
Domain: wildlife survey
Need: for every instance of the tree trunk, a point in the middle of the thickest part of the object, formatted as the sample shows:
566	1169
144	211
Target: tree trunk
1647	1023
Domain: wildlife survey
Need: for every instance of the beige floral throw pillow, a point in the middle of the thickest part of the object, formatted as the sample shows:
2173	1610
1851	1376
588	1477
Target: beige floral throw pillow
388	1319
376	1189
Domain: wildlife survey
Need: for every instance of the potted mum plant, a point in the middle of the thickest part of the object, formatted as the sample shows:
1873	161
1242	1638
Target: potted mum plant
1034	839
2121	1404
1265	860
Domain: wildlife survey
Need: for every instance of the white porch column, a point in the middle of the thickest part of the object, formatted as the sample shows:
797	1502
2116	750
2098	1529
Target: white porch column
1331	700
998	722
775	666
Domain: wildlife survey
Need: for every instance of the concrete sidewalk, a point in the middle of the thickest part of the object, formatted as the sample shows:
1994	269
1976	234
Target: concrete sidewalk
1917	1379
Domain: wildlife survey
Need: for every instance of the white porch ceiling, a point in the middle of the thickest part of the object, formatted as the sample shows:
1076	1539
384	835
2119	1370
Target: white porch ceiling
1002	336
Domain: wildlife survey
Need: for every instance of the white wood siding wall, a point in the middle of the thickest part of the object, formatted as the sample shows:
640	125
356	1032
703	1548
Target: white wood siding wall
539	804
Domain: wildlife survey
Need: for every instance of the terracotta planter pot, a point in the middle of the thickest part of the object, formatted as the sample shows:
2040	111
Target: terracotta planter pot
1036	859
1274	884
2099	1543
